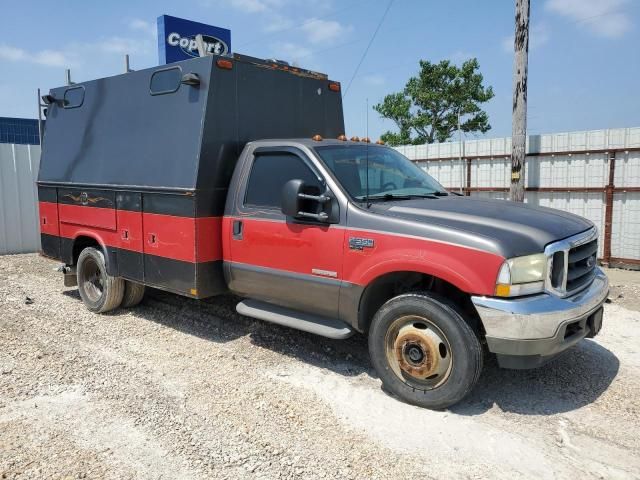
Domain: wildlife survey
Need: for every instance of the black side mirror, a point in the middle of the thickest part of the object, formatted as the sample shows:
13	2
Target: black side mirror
295	201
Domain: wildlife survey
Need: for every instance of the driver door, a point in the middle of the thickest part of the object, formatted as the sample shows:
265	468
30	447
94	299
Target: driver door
274	258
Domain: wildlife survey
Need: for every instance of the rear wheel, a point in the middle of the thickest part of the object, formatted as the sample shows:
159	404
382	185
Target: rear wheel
133	294
424	351
99	292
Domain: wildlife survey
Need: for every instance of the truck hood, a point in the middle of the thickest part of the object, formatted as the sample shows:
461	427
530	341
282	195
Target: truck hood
511	228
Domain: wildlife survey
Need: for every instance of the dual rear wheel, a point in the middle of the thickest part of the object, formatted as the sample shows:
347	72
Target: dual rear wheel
101	292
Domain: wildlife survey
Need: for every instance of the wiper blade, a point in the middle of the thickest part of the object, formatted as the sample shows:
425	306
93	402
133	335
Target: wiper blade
396	196
441	194
386	196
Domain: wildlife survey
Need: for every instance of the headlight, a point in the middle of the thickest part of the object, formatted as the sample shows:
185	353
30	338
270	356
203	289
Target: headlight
522	276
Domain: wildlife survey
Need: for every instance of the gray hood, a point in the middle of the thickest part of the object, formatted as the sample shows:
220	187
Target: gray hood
510	228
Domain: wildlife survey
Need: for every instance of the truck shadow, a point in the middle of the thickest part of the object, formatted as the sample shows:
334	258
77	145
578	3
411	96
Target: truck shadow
576	379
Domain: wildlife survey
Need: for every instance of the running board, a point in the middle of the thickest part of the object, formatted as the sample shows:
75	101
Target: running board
326	327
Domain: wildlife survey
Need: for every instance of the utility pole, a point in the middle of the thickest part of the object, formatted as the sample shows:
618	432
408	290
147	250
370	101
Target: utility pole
519	114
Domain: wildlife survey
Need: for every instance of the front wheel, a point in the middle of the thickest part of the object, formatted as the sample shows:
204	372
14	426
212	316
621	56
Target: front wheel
424	351
99	292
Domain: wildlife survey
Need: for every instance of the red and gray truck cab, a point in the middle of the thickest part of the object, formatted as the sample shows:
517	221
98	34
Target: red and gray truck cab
233	174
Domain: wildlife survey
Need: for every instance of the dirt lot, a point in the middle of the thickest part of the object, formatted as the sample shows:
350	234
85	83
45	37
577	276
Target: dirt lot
180	389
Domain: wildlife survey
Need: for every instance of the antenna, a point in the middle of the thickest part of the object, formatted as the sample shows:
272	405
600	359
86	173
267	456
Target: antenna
366	197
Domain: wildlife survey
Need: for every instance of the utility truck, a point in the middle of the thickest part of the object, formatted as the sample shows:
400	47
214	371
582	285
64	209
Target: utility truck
232	174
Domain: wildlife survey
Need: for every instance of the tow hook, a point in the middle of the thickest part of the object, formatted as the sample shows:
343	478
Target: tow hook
69	271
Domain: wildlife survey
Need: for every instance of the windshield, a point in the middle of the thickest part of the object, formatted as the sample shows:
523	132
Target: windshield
391	174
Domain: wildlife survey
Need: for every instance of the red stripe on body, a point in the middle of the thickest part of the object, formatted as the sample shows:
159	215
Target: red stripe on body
186	239
103	218
285	246
49	218
471	270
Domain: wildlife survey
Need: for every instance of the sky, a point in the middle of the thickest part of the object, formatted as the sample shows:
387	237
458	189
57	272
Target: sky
584	59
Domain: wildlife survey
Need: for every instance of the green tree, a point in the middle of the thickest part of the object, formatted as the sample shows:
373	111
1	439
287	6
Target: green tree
427	109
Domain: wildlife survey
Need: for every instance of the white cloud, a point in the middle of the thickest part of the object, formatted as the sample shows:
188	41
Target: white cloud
122	45
324	31
50	58
277	23
252	6
143	26
604	17
460	56
374	80
538	36
290	52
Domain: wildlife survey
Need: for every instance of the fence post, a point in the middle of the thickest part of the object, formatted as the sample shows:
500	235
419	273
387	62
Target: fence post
608	210
468	189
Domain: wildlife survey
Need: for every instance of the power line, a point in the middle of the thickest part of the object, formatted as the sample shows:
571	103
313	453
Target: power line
368	46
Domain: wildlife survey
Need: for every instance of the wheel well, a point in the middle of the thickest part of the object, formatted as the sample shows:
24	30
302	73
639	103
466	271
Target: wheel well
391	285
80	243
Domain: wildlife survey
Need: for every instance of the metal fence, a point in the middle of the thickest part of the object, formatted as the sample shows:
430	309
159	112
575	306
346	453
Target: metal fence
19	198
595	174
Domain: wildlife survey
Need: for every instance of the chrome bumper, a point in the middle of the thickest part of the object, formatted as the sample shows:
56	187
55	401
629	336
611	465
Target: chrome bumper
536	325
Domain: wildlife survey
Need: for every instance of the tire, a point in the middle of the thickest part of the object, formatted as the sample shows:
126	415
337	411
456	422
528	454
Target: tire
99	292
424	351
133	294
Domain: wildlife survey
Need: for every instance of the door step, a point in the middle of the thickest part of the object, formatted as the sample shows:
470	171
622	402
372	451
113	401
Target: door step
326	327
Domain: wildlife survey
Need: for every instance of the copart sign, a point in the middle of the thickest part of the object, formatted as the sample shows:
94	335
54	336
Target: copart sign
177	39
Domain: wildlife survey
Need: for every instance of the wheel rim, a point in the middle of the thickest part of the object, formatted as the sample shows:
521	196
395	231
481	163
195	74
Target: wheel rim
418	352
92	283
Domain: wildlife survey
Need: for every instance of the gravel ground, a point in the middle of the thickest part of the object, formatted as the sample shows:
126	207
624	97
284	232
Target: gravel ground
183	389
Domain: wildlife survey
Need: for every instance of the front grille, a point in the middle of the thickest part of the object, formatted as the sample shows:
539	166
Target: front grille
582	265
572	263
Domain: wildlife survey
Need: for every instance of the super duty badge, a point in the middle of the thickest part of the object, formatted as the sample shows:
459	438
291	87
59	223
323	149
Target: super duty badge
359	243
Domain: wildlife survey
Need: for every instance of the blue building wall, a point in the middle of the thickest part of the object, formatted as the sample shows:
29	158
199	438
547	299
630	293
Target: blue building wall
19	130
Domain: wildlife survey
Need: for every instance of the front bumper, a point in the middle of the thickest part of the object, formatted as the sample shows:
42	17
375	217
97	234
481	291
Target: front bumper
527	332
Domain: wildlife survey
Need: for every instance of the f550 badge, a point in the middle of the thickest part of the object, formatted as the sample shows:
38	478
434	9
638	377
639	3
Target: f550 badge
359	243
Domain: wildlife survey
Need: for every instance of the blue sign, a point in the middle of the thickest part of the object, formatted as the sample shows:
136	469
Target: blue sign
177	39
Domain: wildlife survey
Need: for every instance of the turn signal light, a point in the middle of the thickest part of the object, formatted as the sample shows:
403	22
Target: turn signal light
342	137
503	290
226	64
316	138
355	139
334	87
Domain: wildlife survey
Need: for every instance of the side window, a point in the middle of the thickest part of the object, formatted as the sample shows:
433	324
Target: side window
165	81
270	172
73	97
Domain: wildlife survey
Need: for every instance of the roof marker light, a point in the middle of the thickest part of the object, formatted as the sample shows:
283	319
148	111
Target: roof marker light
223	63
342	137
355	139
334	87
379	142
316	138
365	140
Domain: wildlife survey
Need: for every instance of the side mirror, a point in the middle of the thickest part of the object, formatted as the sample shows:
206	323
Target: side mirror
295	202
192	79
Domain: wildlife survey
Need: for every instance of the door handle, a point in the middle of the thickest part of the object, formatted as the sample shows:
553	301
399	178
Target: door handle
237	229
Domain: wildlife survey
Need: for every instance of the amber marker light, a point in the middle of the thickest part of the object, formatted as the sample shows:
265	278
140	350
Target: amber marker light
316	138
334	87
365	140
355	139
226	64
379	142
342	137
